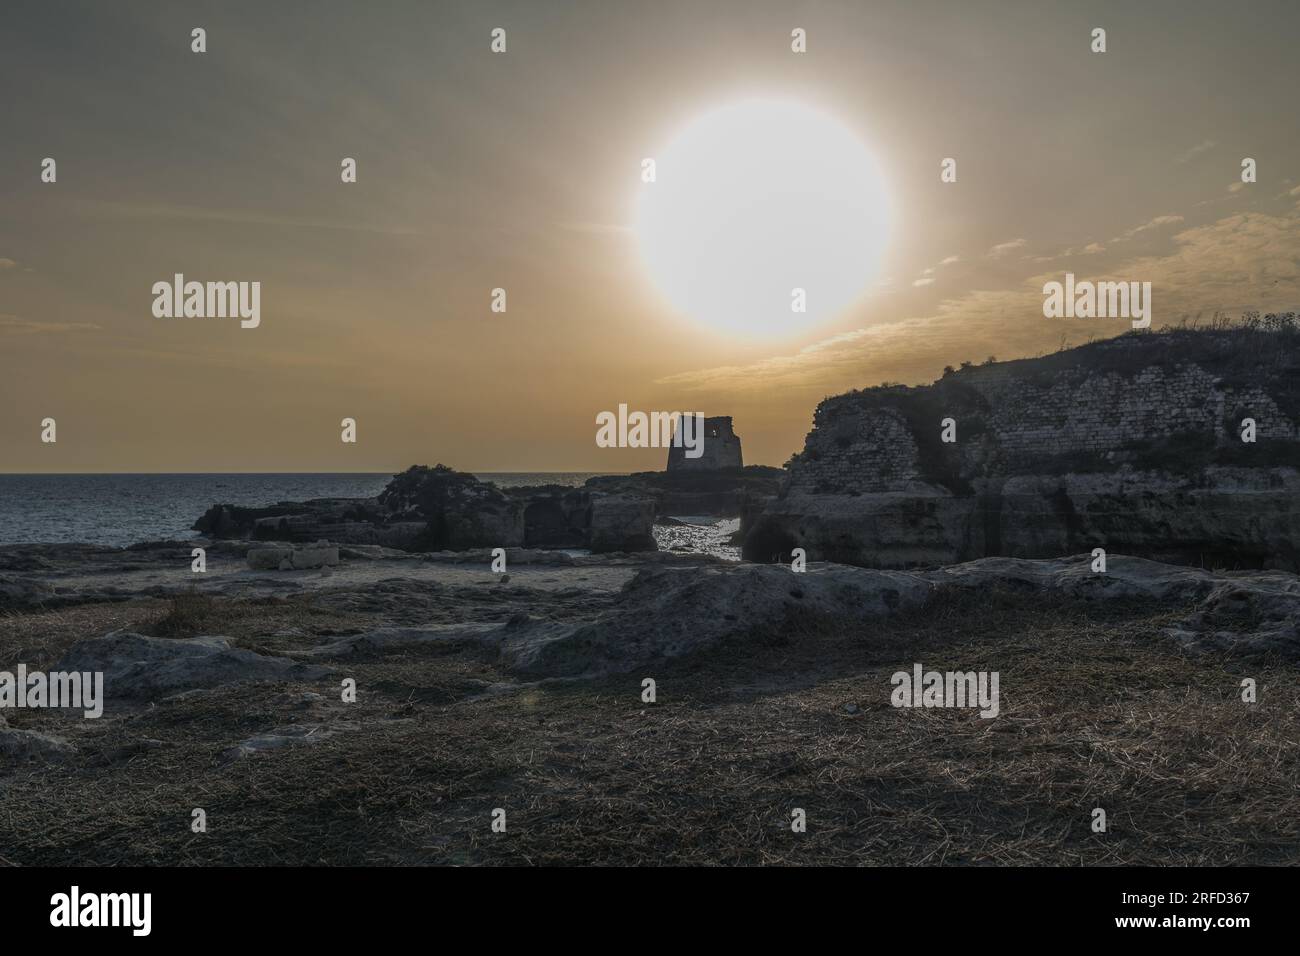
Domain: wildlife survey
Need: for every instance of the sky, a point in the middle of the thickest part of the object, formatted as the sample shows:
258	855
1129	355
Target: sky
520	170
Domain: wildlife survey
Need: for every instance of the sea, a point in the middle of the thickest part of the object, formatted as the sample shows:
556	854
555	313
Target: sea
120	510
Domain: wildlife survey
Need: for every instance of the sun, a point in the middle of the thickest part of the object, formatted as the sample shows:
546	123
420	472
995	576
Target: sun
753	201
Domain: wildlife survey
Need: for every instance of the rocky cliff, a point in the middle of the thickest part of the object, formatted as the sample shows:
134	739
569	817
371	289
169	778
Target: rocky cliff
1132	444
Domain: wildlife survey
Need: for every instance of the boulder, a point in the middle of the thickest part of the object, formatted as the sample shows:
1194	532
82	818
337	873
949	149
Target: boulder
457	509
667	612
885	530
621	523
280	738
28	746
22	592
289	558
439	509
142	667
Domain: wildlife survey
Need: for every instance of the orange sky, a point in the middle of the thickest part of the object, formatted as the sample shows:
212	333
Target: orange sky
519	170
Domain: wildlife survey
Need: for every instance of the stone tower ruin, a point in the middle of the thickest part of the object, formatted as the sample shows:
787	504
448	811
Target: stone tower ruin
721	449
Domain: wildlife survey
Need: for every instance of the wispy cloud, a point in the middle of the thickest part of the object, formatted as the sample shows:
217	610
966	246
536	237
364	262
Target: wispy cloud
134	210
16	325
1196	150
1004	248
1148	226
1247	260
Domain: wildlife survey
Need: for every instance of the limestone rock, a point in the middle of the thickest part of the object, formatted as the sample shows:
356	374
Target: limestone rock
21	592
28	746
1130	444
667	612
142	667
293	559
621	523
282	737
382	639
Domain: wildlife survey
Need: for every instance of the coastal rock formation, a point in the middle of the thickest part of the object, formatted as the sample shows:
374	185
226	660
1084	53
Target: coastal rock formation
138	666
290	558
723	492
440	509
670	612
620	523
458	510
1130	444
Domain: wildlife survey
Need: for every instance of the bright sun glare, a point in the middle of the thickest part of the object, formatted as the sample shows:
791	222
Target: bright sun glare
753	200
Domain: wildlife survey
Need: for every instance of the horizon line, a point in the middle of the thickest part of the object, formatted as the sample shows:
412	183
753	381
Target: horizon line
478	471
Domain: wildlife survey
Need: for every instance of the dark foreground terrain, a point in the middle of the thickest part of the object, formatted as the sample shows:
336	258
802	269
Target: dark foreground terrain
1100	707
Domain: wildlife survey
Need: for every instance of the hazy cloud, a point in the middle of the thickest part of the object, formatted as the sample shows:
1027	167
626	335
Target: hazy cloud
1248	260
1196	150
1151	224
1003	248
14	325
133	210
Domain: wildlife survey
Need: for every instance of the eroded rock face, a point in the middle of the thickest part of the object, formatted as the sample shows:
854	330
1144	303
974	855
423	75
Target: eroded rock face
668	612
458	510
620	523
721	492
290	558
891	530
1248	612
439	509
136	666
1224	516
1131	444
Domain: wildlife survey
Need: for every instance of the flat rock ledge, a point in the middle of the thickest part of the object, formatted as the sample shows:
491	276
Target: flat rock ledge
136	666
667	611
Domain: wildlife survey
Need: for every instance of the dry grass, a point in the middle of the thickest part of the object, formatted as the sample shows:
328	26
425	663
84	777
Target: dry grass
1097	710
189	613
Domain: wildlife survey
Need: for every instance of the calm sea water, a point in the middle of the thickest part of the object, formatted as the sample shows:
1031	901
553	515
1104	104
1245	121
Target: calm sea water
124	509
